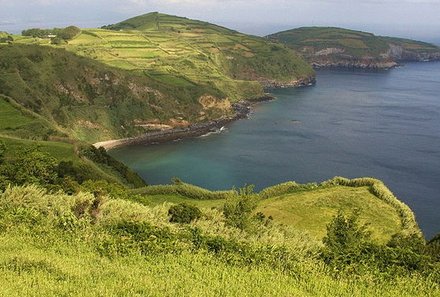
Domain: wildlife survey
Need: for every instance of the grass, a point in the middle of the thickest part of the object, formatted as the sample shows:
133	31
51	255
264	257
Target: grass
48	248
307	208
154	200
160	44
153	68
311	211
67	269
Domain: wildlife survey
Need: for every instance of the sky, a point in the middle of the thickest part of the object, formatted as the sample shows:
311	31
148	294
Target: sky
419	19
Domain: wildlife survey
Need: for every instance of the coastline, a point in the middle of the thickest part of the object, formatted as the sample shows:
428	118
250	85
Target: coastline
241	108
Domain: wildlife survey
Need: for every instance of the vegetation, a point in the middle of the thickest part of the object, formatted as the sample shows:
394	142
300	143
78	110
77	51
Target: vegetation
343	47
184	213
72	224
60	33
56	240
164	70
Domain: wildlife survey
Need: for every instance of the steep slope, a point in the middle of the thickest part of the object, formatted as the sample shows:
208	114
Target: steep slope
92	101
152	72
337	47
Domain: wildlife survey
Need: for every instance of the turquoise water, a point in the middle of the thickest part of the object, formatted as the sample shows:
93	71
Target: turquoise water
352	124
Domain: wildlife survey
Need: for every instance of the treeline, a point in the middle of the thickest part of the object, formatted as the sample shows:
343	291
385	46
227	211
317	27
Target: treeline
59	33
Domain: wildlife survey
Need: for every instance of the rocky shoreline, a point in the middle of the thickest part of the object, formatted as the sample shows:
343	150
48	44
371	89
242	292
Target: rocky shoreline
241	108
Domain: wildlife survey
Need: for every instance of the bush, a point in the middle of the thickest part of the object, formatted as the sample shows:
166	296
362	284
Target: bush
345	240
238	210
184	213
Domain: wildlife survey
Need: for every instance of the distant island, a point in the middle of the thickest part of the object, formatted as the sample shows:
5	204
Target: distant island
326	47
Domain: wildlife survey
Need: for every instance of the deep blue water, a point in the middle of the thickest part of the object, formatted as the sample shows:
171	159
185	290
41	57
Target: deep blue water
352	124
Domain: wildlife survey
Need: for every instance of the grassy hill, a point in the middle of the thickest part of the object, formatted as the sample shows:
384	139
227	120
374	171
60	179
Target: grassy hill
23	132
149	72
333	47
308	208
88	245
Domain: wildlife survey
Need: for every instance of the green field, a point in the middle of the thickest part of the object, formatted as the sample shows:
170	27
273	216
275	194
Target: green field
311	211
76	222
308	209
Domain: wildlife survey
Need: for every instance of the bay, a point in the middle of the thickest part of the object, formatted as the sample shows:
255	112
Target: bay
352	124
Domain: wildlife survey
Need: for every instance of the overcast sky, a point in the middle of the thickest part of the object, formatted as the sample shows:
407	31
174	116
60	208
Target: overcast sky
406	18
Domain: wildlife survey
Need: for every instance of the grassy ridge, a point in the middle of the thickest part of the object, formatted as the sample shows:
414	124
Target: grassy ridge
307	207
187	52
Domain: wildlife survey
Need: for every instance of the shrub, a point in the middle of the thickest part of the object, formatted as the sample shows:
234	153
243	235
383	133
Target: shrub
238	210
184	213
69	32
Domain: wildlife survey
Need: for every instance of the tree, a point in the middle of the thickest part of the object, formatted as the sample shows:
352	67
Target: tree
69	32
184	213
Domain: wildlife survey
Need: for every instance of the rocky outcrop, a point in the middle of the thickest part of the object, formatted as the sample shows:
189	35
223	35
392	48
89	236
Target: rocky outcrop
355	64
399	53
302	82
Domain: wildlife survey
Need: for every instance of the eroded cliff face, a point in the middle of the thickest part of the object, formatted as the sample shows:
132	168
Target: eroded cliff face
399	53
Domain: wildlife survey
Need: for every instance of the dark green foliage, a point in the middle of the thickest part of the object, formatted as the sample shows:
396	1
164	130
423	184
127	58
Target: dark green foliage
78	172
183	213
7	39
61	33
345	241
238	210
2	151
40	33
69	32
349	249
129	237
30	166
57	41
433	247
100	156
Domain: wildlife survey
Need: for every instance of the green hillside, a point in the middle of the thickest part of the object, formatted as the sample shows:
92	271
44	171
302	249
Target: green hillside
89	245
329	47
154	71
90	100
